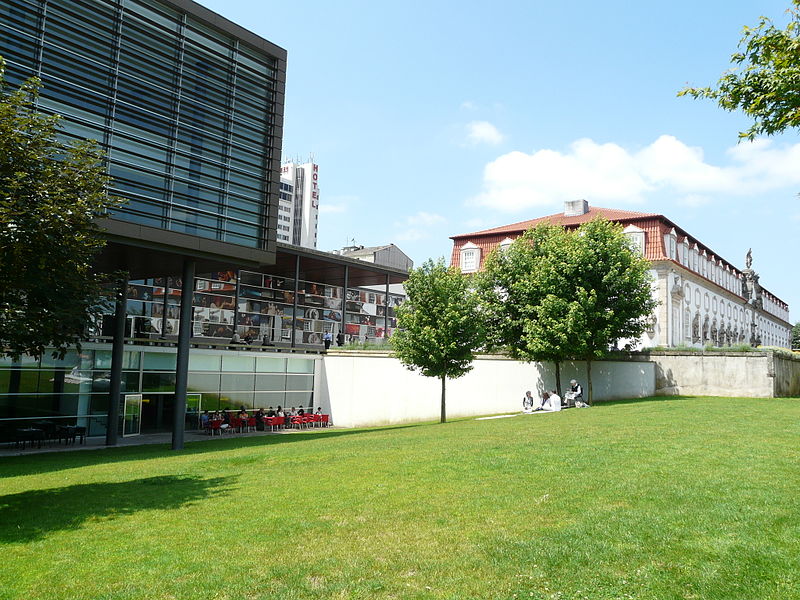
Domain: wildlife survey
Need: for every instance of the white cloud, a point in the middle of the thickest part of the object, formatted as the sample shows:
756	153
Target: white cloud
483	132
417	226
694	200
337	204
468	105
610	173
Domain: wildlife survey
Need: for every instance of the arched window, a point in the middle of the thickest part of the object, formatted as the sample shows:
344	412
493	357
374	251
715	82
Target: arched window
470	258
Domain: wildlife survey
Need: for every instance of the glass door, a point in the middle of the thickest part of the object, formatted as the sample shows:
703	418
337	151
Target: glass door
132	415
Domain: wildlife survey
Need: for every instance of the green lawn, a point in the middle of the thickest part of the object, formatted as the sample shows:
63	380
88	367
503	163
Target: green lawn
665	498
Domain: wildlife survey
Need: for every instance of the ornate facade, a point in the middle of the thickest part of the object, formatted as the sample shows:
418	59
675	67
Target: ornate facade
703	299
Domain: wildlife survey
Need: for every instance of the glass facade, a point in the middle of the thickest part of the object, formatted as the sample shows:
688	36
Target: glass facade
185	112
75	390
260	306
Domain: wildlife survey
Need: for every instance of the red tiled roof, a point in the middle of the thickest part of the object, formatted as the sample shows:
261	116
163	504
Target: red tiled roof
612	214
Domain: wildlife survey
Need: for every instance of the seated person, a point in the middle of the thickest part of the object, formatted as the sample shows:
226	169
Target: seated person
575	393
551	402
319	411
527	402
300	411
270	412
555	401
204	419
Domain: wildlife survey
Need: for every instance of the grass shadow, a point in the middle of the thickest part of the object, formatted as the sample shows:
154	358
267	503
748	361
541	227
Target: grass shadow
31	515
35	464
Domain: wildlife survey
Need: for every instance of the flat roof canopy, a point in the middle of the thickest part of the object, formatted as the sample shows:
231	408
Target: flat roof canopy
151	252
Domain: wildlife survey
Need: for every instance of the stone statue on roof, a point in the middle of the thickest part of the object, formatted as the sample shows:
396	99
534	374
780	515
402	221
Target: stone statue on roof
748	259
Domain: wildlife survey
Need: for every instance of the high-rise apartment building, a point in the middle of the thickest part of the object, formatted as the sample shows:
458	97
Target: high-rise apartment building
298	210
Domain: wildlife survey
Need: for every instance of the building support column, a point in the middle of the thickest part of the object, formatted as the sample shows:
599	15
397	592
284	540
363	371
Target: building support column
344	298
117	354
182	366
386	313
295	303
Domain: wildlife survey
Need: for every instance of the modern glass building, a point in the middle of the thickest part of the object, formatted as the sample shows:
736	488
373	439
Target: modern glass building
187	105
189	109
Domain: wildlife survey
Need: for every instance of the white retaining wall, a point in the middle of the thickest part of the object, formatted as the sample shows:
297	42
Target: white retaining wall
363	389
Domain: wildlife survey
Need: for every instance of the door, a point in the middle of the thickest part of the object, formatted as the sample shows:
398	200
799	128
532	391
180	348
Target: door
132	415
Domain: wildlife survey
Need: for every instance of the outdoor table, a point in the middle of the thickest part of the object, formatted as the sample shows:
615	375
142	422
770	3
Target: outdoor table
30	434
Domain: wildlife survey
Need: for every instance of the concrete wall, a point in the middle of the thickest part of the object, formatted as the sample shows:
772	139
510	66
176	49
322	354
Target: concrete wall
763	374
362	389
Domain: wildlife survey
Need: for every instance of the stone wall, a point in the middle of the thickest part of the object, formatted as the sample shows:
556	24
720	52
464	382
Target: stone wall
759	374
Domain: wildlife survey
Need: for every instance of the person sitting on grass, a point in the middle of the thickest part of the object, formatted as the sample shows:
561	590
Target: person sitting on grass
551	402
527	403
575	393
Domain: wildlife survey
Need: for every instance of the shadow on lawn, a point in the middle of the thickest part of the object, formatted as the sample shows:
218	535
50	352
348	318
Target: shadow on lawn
32	515
34	464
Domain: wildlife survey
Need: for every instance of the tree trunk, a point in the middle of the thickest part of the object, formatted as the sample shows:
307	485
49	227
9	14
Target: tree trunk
589	382
558	377
443	417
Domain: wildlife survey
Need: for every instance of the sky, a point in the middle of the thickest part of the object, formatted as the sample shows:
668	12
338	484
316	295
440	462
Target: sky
437	118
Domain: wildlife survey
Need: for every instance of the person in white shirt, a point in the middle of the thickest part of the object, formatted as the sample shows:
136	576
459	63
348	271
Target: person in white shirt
551	402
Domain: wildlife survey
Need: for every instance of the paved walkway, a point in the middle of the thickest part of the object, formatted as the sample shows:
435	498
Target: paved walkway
95	443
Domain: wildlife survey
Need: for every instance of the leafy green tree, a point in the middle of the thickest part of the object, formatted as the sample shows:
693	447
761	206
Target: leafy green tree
49	195
567	294
766	83
516	281
438	327
796	336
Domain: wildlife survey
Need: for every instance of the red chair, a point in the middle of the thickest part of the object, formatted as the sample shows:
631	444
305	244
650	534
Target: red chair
251	423
325	420
307	420
296	420
213	426
236	423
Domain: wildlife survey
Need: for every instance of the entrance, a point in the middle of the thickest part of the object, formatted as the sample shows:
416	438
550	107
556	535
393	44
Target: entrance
158	411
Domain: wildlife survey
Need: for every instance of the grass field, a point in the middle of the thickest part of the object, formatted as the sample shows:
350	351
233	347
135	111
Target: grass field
665	498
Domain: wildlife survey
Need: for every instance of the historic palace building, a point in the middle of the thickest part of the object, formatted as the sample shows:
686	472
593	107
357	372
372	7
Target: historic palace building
703	299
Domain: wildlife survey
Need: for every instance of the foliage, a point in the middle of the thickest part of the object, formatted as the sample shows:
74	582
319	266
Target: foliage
767	86
556	294
438	329
49	195
796	336
653	499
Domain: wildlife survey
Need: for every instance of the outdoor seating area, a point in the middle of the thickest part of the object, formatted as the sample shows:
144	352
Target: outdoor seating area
217	426
38	433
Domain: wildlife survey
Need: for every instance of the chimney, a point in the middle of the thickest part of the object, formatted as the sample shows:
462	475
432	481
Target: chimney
575	208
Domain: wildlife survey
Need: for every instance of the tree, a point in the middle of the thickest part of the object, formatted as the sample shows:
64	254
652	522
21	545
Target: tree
568	294
514	283
796	336
49	195
438	329
767	86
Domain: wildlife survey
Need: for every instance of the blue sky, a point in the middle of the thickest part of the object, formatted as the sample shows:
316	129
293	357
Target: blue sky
430	119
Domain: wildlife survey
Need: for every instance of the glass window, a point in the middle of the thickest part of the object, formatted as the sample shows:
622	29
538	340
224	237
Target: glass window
233	362
203	382
160	361
266	383
299	382
204	362
270	365
237	382
300	365
158	382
